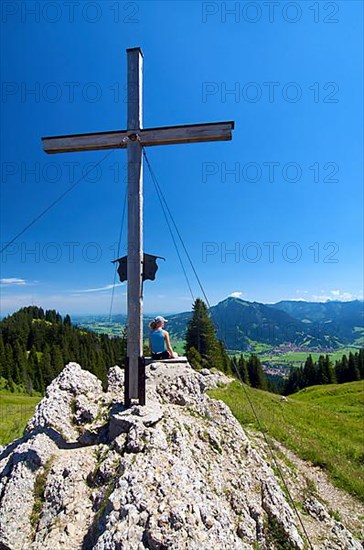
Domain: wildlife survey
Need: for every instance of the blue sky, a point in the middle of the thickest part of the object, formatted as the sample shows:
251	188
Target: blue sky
274	214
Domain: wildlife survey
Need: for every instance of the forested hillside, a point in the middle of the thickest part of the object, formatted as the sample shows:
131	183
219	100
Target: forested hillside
343	319
314	325
35	345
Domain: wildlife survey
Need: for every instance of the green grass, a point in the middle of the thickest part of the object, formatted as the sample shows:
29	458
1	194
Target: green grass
178	346
102	327
39	488
322	424
295	358
15	411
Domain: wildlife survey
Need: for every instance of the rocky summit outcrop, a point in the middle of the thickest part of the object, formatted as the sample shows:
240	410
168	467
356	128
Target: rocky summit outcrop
177	473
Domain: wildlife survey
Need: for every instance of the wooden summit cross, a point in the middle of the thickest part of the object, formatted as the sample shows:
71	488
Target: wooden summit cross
133	139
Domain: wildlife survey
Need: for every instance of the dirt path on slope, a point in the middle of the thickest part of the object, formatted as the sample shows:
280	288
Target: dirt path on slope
306	481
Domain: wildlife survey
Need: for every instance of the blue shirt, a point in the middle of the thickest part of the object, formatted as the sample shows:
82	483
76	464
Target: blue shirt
157	341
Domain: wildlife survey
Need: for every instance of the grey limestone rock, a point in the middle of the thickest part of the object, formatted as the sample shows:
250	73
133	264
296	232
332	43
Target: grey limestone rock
71	399
115	381
177	473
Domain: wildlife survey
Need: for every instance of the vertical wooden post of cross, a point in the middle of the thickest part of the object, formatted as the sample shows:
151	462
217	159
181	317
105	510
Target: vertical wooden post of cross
133	382
134	138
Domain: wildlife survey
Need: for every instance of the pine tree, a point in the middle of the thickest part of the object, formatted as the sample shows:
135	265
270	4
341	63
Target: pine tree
8	362
100	370
19	364
2	355
91	363
330	372
83	356
194	358
200	330
46	366
32	378
51	316
201	336
39	385
120	347
294	382
67	321
57	361
223	359
342	370
321	371
338	371
37	334
353	370
243	370
256	375
361	363
309	373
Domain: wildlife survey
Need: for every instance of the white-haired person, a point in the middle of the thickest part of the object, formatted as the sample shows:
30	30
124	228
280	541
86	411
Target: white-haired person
159	343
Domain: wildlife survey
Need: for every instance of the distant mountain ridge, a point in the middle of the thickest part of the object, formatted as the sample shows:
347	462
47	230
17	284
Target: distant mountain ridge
345	319
313	325
239	321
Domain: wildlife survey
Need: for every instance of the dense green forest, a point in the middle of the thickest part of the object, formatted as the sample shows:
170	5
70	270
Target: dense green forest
348	369
35	345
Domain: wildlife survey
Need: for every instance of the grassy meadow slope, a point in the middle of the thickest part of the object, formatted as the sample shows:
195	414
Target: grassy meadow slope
322	424
15	411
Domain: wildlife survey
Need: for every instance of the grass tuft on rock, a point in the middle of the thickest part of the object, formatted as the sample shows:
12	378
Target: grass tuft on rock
39	489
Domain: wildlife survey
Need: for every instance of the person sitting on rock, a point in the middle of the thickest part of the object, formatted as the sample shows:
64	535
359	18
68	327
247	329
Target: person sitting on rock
159	339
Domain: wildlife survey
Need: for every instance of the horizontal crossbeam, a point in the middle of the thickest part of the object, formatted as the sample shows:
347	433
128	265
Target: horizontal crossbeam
85	142
165	135
189	133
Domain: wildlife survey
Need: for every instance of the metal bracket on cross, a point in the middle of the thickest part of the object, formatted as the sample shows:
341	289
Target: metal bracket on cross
150	267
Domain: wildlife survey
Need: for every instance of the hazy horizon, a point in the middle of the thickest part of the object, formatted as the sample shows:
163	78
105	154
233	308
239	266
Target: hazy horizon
162	312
